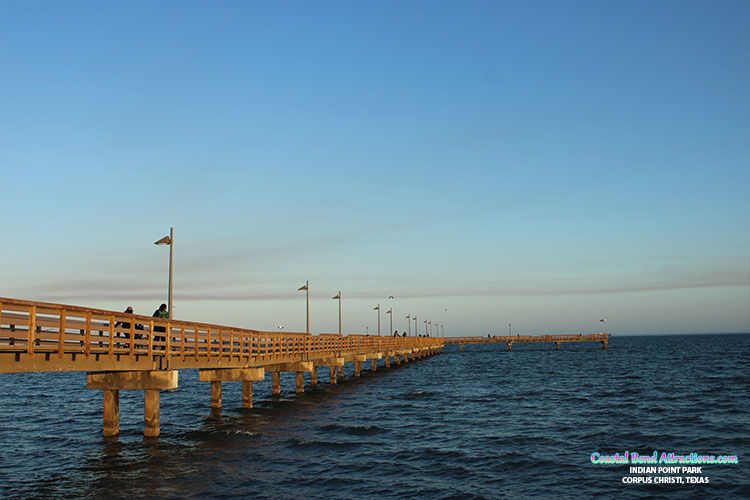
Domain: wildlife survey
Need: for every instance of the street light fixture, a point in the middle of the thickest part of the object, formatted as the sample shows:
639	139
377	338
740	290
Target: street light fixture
416	330
169	240
338	297
425	327
602	321
306	288
390	311
408	320
429	323
377	308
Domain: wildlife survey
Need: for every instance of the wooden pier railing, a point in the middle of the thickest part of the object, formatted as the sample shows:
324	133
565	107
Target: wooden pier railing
38	336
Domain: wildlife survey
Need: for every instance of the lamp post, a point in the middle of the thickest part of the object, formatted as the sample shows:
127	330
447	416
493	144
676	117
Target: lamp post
338	297
390	312
306	288
169	240
602	321
408	320
416	330
442	327
430	332
377	308
425	327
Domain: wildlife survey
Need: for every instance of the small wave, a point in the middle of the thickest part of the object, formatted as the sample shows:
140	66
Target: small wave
310	443
354	430
242	432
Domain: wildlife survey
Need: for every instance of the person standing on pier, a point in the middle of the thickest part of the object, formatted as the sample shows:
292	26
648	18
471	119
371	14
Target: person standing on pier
125	326
163	314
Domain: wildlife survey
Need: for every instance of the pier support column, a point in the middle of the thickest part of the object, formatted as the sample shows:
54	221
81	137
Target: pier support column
557	346
387	361
314	376
357	368
150	382
510	346
397	359
340	372
151	413
604	344
462	347
374	364
331	363
247	394
218	375
111	412
215	394
299	367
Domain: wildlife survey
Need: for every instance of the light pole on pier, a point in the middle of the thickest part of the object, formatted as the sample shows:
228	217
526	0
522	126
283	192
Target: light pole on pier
306	288
602	321
416	330
390	312
430	333
425	327
377	308
338	297
408	321
169	240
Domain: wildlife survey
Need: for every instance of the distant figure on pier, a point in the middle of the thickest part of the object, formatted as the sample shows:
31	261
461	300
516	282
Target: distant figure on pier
395	334
125	325
128	310
164	314
404	335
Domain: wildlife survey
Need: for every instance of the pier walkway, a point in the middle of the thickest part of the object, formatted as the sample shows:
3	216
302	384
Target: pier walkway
521	339
122	351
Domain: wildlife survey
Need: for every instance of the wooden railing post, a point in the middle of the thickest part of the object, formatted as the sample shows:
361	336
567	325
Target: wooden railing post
32	328
167	339
182	342
208	342
111	335
87	335
150	338
197	329
61	335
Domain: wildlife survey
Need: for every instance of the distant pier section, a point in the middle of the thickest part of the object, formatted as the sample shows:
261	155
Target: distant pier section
529	339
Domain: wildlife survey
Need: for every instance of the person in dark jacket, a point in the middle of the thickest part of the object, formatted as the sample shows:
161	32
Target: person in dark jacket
163	314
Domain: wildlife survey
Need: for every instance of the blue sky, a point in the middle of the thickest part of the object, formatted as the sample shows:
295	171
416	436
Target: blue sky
540	163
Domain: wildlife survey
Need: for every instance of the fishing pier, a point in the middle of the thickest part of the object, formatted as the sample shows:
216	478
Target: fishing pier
123	351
